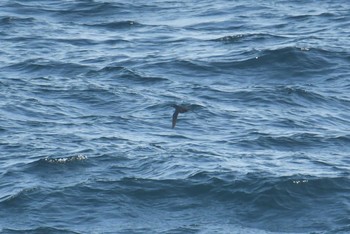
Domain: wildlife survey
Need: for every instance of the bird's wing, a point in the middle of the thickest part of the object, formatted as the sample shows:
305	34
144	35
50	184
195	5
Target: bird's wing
176	113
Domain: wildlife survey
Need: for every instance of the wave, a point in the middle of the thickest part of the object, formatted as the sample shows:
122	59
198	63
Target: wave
47	42
274	96
43	67
115	25
16	195
10	20
271	201
250	37
185	68
79	11
121	73
284	64
64	160
296	141
254	189
291	59
213	26
86	93
36	230
46	168
309	16
253	197
46	164
230	187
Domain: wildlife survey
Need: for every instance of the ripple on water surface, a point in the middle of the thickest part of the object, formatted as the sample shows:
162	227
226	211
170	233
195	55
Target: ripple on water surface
86	96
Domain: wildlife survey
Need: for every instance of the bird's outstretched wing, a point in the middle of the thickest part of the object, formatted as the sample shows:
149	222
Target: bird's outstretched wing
176	113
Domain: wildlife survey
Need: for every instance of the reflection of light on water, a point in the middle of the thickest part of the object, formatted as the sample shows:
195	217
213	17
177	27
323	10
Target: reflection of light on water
300	181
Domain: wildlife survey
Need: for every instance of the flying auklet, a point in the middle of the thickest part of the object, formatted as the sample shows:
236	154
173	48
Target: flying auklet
178	109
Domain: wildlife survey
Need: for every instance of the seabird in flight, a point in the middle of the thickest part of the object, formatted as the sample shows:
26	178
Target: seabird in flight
178	109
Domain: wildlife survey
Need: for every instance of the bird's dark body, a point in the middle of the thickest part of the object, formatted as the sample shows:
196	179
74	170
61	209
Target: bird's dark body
178	109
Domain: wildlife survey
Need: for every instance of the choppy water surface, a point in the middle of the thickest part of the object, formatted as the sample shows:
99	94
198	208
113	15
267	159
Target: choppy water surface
86	89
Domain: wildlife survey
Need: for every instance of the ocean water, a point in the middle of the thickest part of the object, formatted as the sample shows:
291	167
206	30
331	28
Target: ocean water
86	95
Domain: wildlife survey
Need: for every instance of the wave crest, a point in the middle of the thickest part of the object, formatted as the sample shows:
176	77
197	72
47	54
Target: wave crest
79	157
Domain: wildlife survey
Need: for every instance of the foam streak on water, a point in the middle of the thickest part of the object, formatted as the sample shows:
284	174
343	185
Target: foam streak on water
86	95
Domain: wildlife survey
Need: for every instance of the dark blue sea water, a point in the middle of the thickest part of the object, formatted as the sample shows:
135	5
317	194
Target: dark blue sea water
86	95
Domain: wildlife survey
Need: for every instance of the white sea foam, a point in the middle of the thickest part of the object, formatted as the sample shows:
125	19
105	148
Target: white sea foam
79	157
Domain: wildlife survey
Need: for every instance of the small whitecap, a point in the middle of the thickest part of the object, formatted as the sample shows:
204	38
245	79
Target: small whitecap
79	157
300	181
